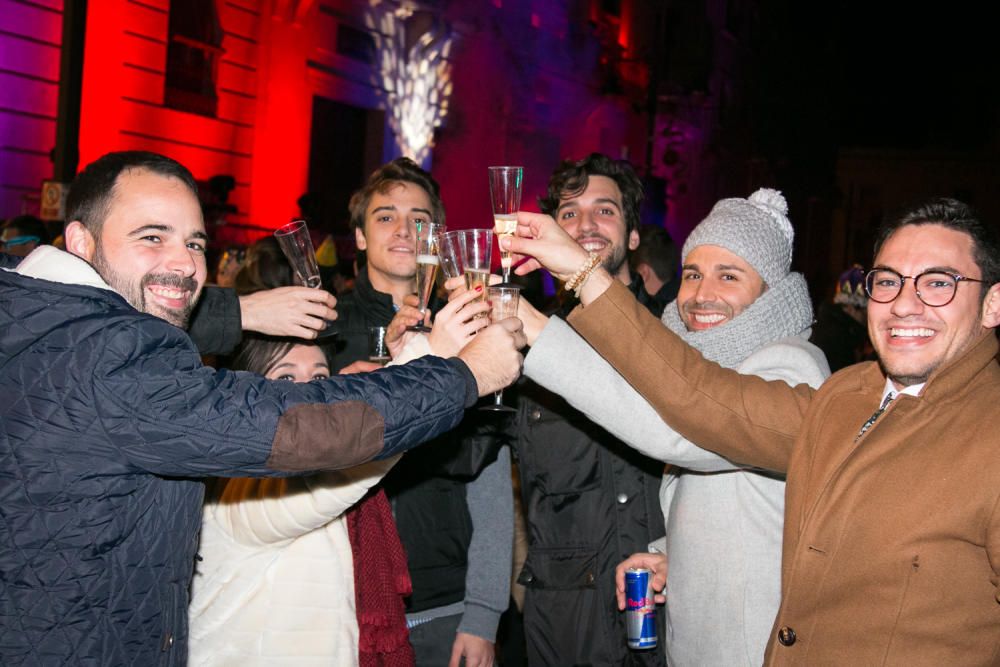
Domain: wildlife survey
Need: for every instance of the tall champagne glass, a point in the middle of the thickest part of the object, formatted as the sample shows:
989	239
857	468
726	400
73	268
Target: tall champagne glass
428	235
477	251
505	191
297	245
450	254
504	300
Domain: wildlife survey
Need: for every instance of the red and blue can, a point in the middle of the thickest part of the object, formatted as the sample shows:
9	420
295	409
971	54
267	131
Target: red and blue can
640	610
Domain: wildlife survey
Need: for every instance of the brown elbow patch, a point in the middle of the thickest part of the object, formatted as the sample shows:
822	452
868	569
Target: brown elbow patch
326	437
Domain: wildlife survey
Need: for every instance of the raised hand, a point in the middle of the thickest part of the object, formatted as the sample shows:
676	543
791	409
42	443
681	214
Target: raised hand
396	334
298	312
493	355
547	244
456	323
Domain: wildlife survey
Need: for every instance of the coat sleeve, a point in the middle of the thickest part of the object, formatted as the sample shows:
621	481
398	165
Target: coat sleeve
563	362
216	325
993	548
268	511
744	418
487	580
163	412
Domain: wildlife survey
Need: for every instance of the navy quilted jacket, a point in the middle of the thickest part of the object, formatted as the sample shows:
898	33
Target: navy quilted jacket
106	416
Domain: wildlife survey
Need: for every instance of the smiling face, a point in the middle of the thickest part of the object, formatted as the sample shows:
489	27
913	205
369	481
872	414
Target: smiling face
389	235
302	363
151	245
716	286
913	339
595	219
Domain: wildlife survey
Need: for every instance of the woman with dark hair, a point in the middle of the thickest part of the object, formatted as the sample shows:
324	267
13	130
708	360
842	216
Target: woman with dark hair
281	558
265	267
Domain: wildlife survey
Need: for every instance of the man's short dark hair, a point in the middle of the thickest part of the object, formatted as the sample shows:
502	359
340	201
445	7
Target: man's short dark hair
90	194
571	177
28	225
657	250
383	179
960	217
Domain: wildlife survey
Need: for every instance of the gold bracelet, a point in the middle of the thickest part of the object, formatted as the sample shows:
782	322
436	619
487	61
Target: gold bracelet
576	281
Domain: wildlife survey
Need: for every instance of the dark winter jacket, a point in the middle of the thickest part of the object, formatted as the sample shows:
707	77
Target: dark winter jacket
105	415
427	488
590	501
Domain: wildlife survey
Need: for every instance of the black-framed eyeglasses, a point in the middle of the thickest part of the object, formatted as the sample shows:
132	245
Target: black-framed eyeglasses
934	288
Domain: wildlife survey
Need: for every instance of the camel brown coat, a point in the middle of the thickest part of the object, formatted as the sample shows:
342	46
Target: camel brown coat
891	551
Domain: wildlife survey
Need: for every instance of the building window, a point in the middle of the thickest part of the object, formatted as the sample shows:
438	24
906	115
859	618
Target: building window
194	48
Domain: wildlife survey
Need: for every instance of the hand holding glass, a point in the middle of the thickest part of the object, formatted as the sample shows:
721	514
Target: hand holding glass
296	243
428	234
505	191
504	299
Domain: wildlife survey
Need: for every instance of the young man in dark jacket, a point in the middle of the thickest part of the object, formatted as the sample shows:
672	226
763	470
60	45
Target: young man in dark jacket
106	412
452	502
589	499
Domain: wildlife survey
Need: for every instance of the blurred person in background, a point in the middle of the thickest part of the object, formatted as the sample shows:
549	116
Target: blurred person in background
840	329
655	261
22	234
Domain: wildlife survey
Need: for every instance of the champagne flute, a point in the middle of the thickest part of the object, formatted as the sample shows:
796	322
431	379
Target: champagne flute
428	234
477	251
297	245
504	299
450	254
505	191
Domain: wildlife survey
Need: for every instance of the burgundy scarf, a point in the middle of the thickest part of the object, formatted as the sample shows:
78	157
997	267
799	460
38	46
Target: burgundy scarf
381	581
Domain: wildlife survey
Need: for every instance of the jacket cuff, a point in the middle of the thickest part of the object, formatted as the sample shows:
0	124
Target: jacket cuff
216	325
480	621
471	387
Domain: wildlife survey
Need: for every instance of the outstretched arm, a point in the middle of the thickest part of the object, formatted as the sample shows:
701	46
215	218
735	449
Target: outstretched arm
561	361
744	418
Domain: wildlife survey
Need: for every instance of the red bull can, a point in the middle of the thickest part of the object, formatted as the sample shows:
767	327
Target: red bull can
640	610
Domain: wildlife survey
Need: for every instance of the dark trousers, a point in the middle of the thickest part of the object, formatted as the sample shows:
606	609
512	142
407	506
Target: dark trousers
432	641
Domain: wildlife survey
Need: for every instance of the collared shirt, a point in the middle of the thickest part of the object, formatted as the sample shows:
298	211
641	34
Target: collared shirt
890	390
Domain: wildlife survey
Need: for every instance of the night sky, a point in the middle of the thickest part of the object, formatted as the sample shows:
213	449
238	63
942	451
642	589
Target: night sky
869	73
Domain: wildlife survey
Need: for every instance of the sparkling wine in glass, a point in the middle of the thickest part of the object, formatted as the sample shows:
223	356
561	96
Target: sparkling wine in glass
297	245
505	191
504	299
428	236
477	251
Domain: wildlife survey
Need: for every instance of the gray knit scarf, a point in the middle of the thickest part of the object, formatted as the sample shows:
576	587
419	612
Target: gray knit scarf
782	311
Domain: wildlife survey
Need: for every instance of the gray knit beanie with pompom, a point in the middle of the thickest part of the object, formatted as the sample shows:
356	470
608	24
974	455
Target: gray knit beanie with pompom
756	229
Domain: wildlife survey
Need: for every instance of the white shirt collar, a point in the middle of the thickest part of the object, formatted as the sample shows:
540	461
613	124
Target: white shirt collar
890	388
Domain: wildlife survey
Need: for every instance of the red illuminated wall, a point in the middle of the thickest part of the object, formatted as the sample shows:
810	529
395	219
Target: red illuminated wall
123	90
30	38
531	101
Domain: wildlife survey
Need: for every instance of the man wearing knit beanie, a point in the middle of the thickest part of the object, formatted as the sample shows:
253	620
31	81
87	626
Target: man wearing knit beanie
741	307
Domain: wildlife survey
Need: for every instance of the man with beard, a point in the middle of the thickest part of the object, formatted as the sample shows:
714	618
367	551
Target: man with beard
891	550
589	500
106	413
741	307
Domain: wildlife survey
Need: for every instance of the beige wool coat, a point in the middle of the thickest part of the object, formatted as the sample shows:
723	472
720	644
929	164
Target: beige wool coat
891	552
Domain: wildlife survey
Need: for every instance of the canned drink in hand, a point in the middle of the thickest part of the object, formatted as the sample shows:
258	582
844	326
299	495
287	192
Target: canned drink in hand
640	610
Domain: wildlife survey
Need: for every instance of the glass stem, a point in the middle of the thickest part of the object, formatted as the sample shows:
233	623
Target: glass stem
498	398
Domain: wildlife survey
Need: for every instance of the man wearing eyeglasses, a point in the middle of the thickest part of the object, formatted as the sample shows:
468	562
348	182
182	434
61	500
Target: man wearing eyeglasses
891	549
